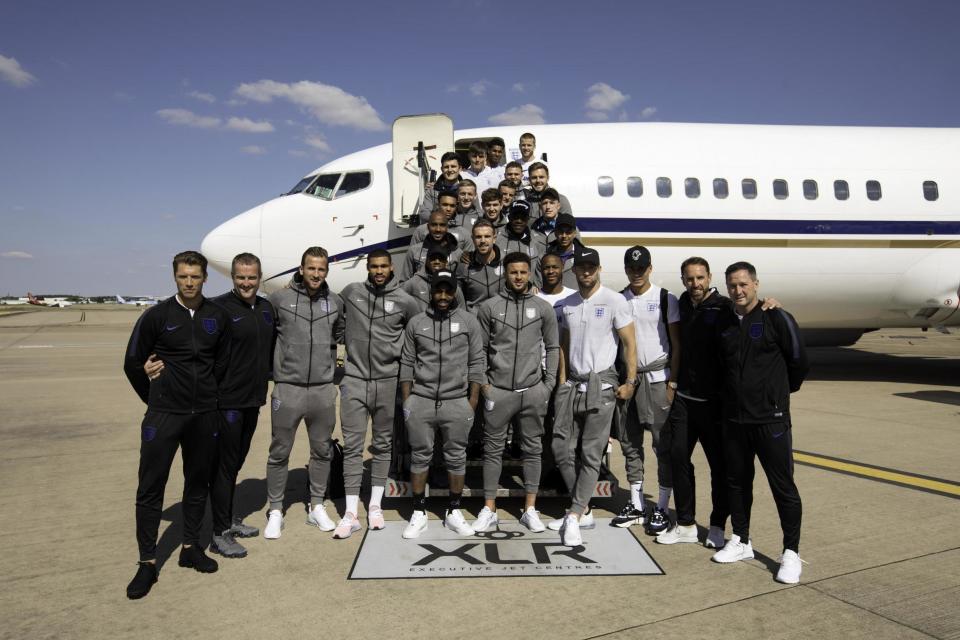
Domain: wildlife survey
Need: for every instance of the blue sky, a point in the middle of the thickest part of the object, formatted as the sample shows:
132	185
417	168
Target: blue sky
128	130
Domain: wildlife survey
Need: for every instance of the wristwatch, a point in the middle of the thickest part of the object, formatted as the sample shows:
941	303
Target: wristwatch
672	384
633	381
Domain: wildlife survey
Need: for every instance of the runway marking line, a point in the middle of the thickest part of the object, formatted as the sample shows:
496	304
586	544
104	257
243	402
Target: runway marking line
915	481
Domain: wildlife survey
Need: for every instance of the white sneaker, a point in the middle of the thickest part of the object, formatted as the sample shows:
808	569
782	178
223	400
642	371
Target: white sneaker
715	539
570	532
347	525
486	519
318	518
790	567
531	520
678	534
274	524
417	525
586	522
455	521
734	551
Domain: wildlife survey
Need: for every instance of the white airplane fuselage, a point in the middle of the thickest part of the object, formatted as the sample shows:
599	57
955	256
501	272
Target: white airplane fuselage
856	263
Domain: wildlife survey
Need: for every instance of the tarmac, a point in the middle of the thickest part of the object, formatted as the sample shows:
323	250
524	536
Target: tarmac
876	428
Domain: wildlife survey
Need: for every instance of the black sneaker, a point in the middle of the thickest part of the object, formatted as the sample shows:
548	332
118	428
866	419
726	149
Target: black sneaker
657	522
628	516
193	557
143	581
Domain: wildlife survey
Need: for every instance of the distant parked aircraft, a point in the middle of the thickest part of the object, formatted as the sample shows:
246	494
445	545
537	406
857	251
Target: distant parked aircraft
43	302
138	302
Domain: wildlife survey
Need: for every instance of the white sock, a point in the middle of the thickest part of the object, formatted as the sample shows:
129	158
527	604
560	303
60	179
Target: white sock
352	502
636	494
376	496
664	500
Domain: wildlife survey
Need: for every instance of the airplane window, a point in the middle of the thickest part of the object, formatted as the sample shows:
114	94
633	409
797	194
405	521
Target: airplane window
692	187
355	181
720	188
810	190
873	190
324	186
749	188
634	187
930	190
605	186
664	187
780	191
300	186
841	189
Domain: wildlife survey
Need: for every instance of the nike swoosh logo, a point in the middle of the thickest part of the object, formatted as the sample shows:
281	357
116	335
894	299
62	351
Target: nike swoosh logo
238	319
779	434
173	328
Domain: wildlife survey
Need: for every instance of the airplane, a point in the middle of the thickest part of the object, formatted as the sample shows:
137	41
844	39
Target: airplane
852	228
139	302
41	302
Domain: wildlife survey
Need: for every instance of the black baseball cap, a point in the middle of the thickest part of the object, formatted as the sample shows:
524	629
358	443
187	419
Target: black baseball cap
438	251
637	256
566	219
443	277
585	255
519	209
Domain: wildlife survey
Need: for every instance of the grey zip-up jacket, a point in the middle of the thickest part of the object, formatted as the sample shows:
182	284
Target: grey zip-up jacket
375	318
514	327
480	280
417	255
308	330
458	226
431	195
442	354
533	243
418	287
533	198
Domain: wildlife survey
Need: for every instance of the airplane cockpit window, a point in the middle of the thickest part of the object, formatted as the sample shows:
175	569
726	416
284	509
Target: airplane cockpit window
749	186
300	186
634	187
780	191
354	181
720	188
664	187
841	190
930	190
605	186
692	187
810	190
873	190
324	186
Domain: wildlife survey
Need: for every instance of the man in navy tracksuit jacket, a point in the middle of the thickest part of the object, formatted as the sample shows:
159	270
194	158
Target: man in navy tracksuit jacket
764	360
191	335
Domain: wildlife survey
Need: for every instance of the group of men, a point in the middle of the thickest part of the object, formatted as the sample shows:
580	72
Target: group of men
500	321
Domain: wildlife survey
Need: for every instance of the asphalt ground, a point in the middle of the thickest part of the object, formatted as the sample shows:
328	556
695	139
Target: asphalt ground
876	428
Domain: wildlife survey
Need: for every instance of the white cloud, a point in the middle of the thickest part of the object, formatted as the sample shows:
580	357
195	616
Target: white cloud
519	87
16	254
328	104
318	142
202	97
248	126
253	150
603	97
648	112
480	87
13	73
524	114
187	118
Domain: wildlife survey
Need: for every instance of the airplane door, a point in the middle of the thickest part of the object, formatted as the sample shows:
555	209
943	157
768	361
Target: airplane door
418	143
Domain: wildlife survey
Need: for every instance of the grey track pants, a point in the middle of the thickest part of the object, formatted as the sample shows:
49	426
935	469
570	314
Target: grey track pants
360	399
629	432
527	409
574	424
290	404
452	417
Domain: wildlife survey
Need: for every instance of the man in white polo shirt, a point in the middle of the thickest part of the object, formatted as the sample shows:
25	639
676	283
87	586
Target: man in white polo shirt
592	323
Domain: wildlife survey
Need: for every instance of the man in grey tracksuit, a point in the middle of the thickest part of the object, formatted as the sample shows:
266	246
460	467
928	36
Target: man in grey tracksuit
458	225
309	326
376	312
418	286
592	322
481	277
441	370
517	328
438	238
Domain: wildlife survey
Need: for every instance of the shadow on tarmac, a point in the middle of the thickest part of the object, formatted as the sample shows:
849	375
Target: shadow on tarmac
853	365
943	397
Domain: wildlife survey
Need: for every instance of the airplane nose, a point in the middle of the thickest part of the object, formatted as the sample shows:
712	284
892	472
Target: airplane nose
237	235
